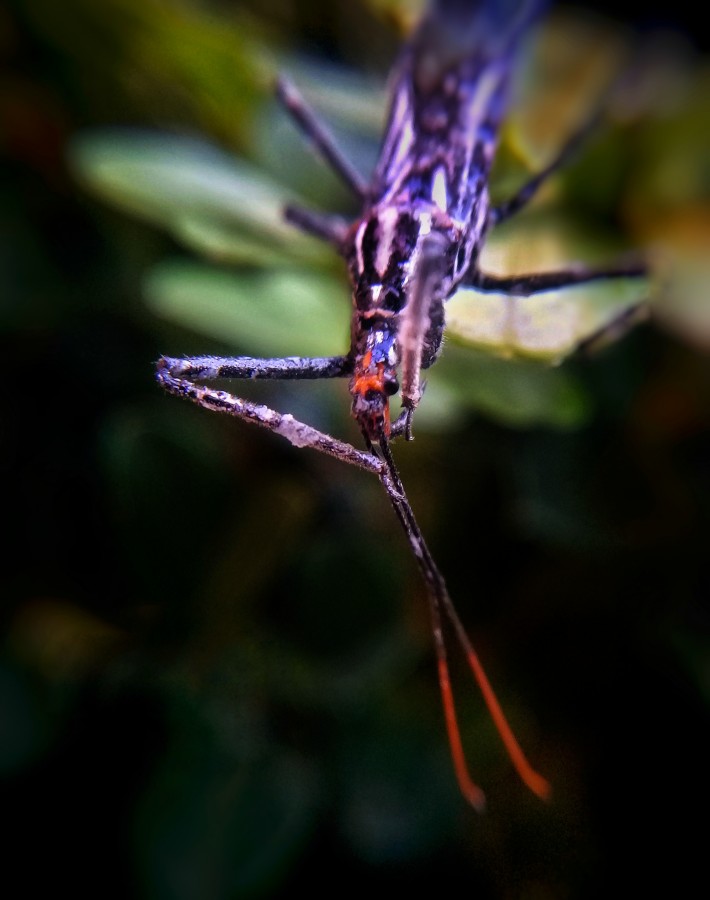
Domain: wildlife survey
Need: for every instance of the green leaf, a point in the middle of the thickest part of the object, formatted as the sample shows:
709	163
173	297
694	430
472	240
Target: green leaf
545	327
548	326
292	312
344	95
208	200
517	393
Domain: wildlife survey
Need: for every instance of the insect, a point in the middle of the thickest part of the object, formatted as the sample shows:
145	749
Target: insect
425	213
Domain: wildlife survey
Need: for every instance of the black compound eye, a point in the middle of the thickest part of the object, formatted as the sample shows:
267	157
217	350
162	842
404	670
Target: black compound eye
391	387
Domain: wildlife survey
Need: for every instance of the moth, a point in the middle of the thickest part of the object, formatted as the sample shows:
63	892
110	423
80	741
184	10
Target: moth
424	216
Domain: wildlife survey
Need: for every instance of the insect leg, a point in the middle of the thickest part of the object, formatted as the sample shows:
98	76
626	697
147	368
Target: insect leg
248	367
170	374
328	228
416	321
537	282
513	205
323	141
615	330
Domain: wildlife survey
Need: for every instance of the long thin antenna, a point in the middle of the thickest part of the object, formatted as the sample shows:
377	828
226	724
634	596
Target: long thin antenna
439	600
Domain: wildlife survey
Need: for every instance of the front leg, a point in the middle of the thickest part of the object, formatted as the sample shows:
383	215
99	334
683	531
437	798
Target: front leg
415	323
172	375
276	368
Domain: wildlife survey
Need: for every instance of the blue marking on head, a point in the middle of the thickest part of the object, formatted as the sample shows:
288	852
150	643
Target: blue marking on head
381	343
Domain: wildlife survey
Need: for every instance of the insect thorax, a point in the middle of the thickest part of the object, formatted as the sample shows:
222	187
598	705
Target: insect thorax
383	258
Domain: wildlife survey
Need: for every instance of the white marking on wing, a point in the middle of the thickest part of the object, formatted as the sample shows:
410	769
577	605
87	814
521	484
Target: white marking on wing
387	220
439	194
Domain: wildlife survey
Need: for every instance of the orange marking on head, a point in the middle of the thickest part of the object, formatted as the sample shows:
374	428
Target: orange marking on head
364	383
374	414
369	381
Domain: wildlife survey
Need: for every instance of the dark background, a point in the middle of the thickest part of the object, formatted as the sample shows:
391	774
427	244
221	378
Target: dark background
216	677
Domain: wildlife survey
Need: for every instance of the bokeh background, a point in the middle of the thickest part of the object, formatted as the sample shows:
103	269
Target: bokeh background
216	678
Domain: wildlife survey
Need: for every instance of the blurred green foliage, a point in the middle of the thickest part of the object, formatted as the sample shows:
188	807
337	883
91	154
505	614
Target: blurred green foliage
215	678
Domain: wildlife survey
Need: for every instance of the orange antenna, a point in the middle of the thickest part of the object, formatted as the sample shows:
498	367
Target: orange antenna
439	600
